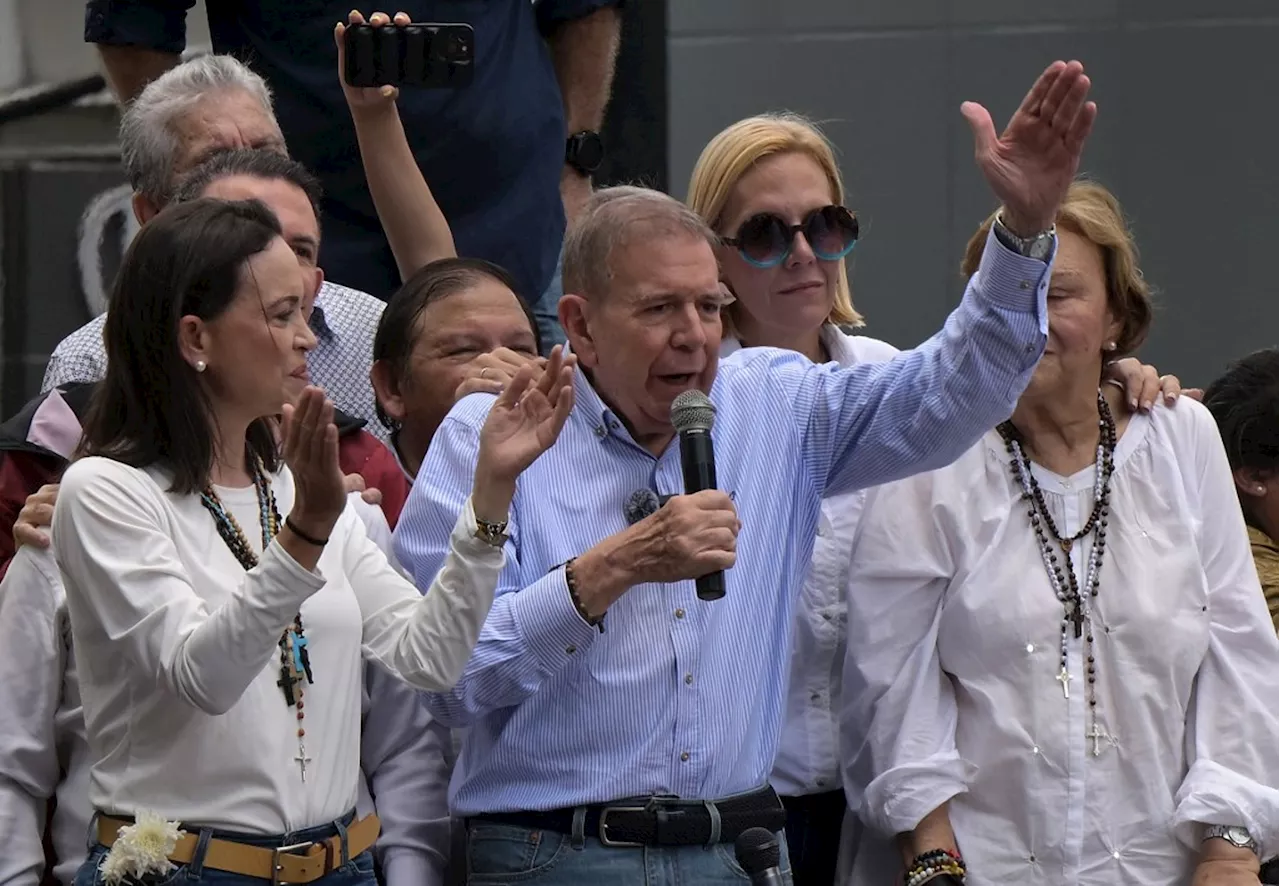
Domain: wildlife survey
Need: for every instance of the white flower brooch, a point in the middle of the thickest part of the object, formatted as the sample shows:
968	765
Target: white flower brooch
141	849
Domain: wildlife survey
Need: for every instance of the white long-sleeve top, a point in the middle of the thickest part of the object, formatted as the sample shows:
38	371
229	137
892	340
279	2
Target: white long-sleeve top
178	646
808	751
954	647
44	753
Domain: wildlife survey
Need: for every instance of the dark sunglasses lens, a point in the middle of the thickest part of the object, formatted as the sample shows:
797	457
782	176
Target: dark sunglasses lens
763	239
831	231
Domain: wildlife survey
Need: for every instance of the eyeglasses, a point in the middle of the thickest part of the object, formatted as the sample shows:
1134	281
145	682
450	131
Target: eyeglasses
766	240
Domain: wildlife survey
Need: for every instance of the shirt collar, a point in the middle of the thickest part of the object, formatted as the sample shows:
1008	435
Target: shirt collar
1258	537
835	341
590	407
319	325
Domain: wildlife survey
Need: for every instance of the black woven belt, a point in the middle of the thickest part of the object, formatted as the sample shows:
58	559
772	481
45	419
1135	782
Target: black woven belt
658	821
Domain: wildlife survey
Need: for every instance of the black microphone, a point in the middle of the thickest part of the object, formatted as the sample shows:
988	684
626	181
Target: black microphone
759	855
692	415
642	503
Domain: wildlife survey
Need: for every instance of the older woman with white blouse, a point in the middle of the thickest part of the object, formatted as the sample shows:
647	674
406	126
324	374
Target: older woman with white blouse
222	593
1060	667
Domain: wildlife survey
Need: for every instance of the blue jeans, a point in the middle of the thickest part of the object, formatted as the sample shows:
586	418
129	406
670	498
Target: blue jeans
358	871
500	854
546	311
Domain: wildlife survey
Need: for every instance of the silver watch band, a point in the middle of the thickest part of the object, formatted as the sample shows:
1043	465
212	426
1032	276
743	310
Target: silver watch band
1039	246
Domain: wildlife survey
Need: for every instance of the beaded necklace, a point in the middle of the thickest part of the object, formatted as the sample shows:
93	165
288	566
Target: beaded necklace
1077	602
295	662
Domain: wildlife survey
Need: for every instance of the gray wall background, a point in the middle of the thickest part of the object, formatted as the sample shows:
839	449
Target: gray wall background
1186	136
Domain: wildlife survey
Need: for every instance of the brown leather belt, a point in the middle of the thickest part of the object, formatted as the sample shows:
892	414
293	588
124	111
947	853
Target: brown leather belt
301	863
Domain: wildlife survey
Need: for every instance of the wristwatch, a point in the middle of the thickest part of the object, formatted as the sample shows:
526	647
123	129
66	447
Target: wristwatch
1234	834
491	533
1039	246
584	151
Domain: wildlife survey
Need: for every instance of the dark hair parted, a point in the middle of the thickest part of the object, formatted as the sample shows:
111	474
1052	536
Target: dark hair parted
398	328
1243	401
257	163
151	409
1093	212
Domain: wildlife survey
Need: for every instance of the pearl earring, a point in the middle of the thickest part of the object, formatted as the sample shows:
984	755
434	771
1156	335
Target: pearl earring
200	365
1111	346
1261	490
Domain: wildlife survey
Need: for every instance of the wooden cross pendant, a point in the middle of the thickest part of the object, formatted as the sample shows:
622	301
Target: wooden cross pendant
286	681
1077	617
1065	679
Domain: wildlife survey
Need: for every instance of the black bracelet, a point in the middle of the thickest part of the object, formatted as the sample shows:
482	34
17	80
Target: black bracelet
309	539
571	581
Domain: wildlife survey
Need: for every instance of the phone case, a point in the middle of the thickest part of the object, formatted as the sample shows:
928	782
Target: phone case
424	54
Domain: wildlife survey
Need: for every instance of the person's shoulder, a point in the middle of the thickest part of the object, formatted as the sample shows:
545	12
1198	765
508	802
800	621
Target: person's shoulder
869	350
88	336
349	308
33	580
1185	423
471	411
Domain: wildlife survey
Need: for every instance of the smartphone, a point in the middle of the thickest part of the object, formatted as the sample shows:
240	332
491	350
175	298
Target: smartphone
428	54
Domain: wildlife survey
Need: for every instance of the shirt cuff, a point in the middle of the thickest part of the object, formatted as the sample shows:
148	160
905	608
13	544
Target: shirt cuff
549	623
161	26
899	799
404	867
1213	794
275	559
1014	282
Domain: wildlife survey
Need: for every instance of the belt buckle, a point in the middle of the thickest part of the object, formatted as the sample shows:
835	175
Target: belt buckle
276	867
604	828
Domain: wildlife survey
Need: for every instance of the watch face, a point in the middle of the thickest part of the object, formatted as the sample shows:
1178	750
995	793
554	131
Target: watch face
587	151
1239	836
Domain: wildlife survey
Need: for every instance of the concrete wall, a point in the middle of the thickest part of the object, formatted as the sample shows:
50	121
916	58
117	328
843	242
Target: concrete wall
1186	136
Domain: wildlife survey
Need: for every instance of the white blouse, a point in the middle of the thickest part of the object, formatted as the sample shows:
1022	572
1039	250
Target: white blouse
178	655
808	751
954	649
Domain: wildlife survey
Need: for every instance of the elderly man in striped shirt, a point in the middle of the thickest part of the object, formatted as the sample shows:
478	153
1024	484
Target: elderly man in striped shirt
619	725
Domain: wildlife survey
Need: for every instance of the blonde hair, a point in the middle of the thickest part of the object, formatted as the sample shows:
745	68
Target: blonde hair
1093	212
731	155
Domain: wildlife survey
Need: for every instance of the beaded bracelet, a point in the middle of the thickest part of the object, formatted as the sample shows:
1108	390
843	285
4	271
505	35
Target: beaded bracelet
571	581
935	863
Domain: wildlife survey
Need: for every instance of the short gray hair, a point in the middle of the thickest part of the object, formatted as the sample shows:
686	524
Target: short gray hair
148	144
609	218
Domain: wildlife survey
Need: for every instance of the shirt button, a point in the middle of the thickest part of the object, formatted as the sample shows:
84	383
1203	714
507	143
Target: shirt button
822	782
1031	647
1035	749
1115	853
1031	349
571	649
600	431
688	679
1025	284
679	613
815	696
1031	859
684	757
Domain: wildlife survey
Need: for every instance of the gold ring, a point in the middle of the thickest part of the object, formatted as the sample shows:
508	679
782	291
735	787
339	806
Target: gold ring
484	372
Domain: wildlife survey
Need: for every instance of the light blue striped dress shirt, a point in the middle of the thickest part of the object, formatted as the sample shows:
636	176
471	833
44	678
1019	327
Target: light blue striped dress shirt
680	696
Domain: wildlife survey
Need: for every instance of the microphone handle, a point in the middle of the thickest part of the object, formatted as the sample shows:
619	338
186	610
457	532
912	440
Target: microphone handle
698	462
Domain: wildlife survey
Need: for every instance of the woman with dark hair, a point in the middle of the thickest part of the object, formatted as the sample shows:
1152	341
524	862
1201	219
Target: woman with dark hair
456	327
1244	404
221	592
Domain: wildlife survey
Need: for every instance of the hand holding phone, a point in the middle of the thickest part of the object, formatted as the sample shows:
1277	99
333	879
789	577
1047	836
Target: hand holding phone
386	52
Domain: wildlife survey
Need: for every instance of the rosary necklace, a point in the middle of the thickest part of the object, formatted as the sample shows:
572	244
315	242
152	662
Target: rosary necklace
1077	602
295	663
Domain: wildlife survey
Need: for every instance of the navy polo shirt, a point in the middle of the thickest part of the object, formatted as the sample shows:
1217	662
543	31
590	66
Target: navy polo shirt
491	152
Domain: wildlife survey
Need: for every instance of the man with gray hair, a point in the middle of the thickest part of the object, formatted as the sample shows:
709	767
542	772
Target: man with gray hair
199	108
621	725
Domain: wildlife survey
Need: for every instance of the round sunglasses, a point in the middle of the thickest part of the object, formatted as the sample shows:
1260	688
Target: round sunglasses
765	240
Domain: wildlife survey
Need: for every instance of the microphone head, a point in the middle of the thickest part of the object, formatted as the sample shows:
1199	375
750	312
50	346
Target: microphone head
641	504
692	410
757	850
